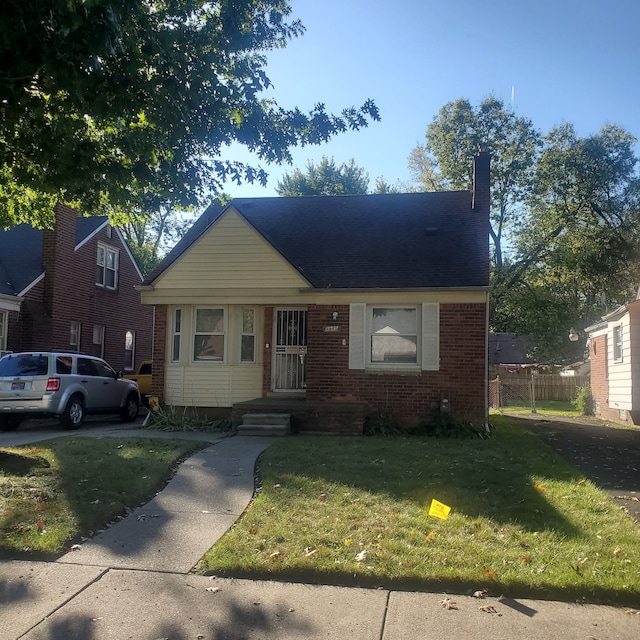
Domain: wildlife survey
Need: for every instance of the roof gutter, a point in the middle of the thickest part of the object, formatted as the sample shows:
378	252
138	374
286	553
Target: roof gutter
10	303
387	289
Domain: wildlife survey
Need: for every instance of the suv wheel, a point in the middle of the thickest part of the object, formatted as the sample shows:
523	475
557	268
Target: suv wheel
9	423
129	412
73	414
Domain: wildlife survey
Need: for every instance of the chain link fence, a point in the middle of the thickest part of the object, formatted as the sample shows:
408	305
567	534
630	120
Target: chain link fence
520	391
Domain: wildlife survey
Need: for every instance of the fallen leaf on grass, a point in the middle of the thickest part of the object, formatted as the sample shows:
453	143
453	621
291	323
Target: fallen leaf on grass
448	603
276	555
361	556
429	537
539	487
488	608
488	572
308	551
617	552
581	482
323	496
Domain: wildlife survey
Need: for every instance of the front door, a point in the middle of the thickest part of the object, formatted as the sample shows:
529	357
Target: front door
290	340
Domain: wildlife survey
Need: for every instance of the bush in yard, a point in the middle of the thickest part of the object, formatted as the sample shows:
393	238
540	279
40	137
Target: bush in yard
443	425
584	401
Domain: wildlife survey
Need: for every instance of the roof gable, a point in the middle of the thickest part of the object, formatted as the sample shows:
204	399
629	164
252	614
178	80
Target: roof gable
230	254
21	253
391	241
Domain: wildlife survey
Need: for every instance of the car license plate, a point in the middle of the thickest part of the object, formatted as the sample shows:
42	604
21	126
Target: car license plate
17	386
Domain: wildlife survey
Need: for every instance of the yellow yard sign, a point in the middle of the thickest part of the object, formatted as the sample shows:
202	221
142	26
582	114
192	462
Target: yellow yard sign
439	510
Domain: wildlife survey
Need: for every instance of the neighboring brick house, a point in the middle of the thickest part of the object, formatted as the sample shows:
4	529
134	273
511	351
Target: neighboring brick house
614	351
379	300
71	288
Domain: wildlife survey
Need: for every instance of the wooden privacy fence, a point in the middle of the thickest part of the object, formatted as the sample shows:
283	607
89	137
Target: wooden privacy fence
518	390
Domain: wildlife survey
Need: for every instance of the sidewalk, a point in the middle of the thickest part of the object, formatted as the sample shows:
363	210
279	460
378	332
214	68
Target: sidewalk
132	581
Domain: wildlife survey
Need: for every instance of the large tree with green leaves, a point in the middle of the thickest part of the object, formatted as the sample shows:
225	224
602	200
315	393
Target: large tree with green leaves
127	105
325	179
453	138
577	254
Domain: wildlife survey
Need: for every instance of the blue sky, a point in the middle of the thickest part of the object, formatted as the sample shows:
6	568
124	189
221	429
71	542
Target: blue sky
567	61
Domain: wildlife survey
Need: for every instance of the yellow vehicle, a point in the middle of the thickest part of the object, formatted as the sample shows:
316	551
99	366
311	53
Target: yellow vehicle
143	378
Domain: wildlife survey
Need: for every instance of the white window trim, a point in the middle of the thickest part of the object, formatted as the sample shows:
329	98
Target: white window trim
108	249
618	357
4	326
77	333
224	334
360	324
99	331
175	333
254	334
130	366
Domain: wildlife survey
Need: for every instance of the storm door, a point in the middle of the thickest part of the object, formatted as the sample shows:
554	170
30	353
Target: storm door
290	340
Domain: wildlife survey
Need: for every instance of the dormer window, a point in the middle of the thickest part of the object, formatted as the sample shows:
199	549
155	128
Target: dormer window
107	267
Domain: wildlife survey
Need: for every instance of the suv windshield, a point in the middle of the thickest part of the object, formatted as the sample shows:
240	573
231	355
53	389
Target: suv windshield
24	365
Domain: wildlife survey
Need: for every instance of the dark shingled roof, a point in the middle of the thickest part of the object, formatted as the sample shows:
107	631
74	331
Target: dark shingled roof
21	253
405	241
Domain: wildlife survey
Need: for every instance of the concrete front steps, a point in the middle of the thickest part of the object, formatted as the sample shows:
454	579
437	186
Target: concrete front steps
265	424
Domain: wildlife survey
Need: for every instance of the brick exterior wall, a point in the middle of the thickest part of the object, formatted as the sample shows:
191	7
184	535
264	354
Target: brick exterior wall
599	380
409	396
160	323
69	294
267	352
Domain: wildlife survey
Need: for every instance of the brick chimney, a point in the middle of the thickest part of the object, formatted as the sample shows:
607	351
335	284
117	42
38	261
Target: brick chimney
481	197
58	248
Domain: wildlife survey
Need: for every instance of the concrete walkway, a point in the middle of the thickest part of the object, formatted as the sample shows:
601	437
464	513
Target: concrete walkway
132	581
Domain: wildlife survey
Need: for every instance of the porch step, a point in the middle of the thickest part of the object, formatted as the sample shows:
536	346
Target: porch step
265	424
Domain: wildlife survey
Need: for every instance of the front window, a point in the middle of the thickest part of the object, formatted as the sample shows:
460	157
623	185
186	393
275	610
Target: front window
176	335
74	336
129	349
248	339
208	343
617	343
98	340
394	335
107	267
3	330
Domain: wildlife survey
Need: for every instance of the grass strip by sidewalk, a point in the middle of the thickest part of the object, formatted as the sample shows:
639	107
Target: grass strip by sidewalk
59	490
355	511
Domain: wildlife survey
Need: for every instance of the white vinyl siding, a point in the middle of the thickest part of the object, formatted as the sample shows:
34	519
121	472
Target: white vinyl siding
211	383
212	386
619	364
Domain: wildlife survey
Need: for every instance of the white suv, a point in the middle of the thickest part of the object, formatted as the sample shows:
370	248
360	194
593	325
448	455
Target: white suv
65	385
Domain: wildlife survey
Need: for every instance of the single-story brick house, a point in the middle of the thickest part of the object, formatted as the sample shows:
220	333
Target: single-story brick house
614	351
379	300
71	288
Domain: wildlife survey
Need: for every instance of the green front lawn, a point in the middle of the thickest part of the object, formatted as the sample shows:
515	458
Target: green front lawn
61	489
543	407
355	511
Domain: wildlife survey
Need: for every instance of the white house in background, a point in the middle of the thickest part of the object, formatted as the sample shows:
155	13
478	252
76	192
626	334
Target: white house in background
614	351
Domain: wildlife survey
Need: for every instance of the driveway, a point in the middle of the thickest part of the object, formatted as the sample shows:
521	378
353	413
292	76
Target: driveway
608	456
